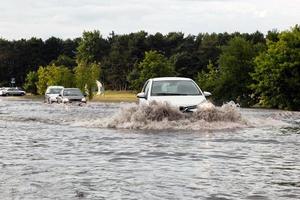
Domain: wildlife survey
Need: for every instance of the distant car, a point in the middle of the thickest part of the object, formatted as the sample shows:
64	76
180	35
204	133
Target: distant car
69	95
1	92
52	93
183	93
12	91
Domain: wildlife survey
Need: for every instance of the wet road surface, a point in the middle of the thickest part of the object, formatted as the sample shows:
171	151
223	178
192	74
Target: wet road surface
46	152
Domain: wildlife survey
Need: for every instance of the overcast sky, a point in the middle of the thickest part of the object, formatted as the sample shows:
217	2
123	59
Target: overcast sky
69	18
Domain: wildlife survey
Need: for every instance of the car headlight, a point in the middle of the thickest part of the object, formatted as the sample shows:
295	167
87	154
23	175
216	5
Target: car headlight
83	99
53	98
65	100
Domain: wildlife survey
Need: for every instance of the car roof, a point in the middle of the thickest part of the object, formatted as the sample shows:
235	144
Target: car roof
170	78
71	89
56	86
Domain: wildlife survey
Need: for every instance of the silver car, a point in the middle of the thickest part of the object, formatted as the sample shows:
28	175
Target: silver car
12	91
69	95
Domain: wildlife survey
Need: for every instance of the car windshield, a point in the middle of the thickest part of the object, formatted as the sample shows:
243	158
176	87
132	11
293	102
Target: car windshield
54	90
174	87
72	92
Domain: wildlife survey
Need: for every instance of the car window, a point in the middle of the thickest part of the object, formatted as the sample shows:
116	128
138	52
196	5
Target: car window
174	87
54	90
72	92
146	87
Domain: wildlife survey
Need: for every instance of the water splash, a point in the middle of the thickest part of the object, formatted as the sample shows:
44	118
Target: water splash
161	115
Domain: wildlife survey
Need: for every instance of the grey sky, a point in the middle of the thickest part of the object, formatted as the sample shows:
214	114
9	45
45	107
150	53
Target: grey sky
69	18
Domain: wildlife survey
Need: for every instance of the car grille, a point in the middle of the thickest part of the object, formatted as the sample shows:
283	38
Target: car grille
74	100
187	108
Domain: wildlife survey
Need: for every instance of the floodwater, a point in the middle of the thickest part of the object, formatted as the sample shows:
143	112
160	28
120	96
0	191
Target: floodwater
91	152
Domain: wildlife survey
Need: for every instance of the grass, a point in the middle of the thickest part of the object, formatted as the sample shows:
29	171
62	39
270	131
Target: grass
116	96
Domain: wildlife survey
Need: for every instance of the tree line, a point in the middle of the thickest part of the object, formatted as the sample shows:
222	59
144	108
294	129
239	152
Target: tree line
248	68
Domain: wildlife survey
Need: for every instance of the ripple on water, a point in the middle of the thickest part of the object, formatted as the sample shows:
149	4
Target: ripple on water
61	153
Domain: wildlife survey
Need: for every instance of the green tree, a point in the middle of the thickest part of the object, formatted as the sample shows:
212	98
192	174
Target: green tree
90	51
65	77
272	35
119	62
185	64
236	63
54	75
86	75
92	47
153	65
70	46
31	82
277	72
231	79
64	60
208	80
18	57
208	49
53	47
42	80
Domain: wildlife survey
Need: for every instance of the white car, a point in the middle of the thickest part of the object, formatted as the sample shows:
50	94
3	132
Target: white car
52	93
183	93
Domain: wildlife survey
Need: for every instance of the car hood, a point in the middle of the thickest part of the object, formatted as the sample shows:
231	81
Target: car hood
180	100
74	97
52	95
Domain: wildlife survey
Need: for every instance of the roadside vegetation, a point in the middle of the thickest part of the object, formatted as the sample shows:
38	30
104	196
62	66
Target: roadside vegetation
250	69
116	96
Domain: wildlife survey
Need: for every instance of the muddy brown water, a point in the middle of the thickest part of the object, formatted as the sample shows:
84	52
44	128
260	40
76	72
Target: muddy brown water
66	152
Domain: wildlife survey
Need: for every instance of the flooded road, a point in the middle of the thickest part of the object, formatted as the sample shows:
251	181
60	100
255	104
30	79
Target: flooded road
65	152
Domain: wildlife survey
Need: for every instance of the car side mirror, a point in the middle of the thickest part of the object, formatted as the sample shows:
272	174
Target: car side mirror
207	94
84	95
141	95
59	95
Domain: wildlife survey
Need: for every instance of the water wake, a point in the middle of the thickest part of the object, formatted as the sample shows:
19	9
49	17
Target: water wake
157	116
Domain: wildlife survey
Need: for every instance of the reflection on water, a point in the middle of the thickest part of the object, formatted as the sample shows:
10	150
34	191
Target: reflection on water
61	152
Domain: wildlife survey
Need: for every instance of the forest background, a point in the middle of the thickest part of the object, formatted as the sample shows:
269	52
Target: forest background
248	68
